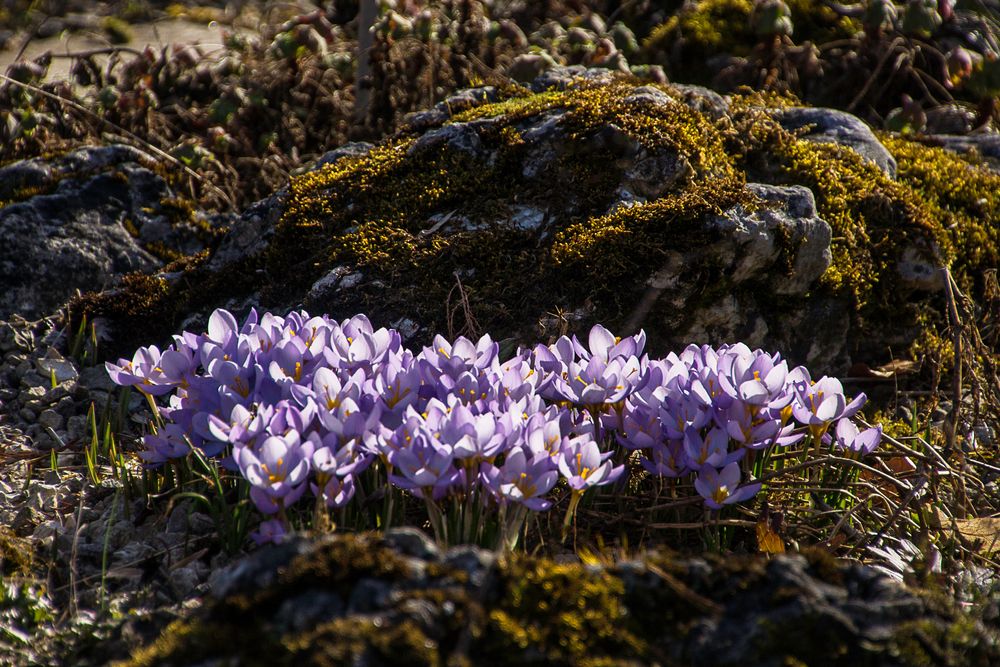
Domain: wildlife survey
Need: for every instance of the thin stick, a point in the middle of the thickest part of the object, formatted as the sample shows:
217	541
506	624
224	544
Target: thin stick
956	385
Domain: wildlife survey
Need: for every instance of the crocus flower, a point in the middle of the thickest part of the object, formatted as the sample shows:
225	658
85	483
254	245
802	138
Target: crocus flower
821	403
522	479
583	465
666	459
142	372
424	465
711	450
277	471
722	487
849	437
170	443
272	531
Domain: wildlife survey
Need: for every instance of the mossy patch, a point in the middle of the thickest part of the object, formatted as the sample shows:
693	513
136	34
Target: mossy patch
554	613
16	553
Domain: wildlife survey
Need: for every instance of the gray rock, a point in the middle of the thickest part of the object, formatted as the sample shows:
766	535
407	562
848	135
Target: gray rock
54	362
184	581
74	233
369	595
71	239
309	609
461	137
783	245
442	111
23	175
838	127
251	233
703	99
735	610
50	419
258	570
561	77
412	542
353	149
984	145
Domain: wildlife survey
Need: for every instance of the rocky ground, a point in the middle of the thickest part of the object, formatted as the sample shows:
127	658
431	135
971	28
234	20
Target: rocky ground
697	216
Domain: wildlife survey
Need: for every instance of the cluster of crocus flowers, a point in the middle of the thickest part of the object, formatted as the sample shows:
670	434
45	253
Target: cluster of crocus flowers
301	406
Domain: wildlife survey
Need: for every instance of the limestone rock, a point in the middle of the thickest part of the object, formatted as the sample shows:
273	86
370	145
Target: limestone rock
78	221
838	127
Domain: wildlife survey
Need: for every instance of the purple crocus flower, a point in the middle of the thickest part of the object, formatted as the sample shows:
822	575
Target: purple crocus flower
272	531
424	464
821	403
722	487
356	345
849	437
523	478
277	471
755	378
170	443
666	459
471	437
583	465
139	371
711	450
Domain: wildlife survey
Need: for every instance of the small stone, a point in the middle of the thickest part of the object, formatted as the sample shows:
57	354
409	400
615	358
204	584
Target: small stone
28	415
96	377
184	581
76	428
50	419
55	363
412	542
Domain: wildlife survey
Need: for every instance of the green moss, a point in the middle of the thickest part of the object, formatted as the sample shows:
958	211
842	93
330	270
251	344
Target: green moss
926	642
16	553
708	27
348	641
234	628
551	613
963	198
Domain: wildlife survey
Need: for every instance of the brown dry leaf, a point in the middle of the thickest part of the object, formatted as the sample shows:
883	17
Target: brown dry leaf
900	465
768	541
985	531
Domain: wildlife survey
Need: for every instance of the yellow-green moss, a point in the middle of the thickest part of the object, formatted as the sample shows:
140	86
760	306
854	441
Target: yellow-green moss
708	27
566	612
962	197
16	553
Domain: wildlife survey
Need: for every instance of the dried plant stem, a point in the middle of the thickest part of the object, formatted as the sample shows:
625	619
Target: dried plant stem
951	428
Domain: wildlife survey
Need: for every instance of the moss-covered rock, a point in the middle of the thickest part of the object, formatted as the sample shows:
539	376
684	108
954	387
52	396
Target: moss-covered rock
520	213
370	600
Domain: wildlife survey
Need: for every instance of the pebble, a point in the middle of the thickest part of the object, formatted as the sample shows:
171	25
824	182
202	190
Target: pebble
51	419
